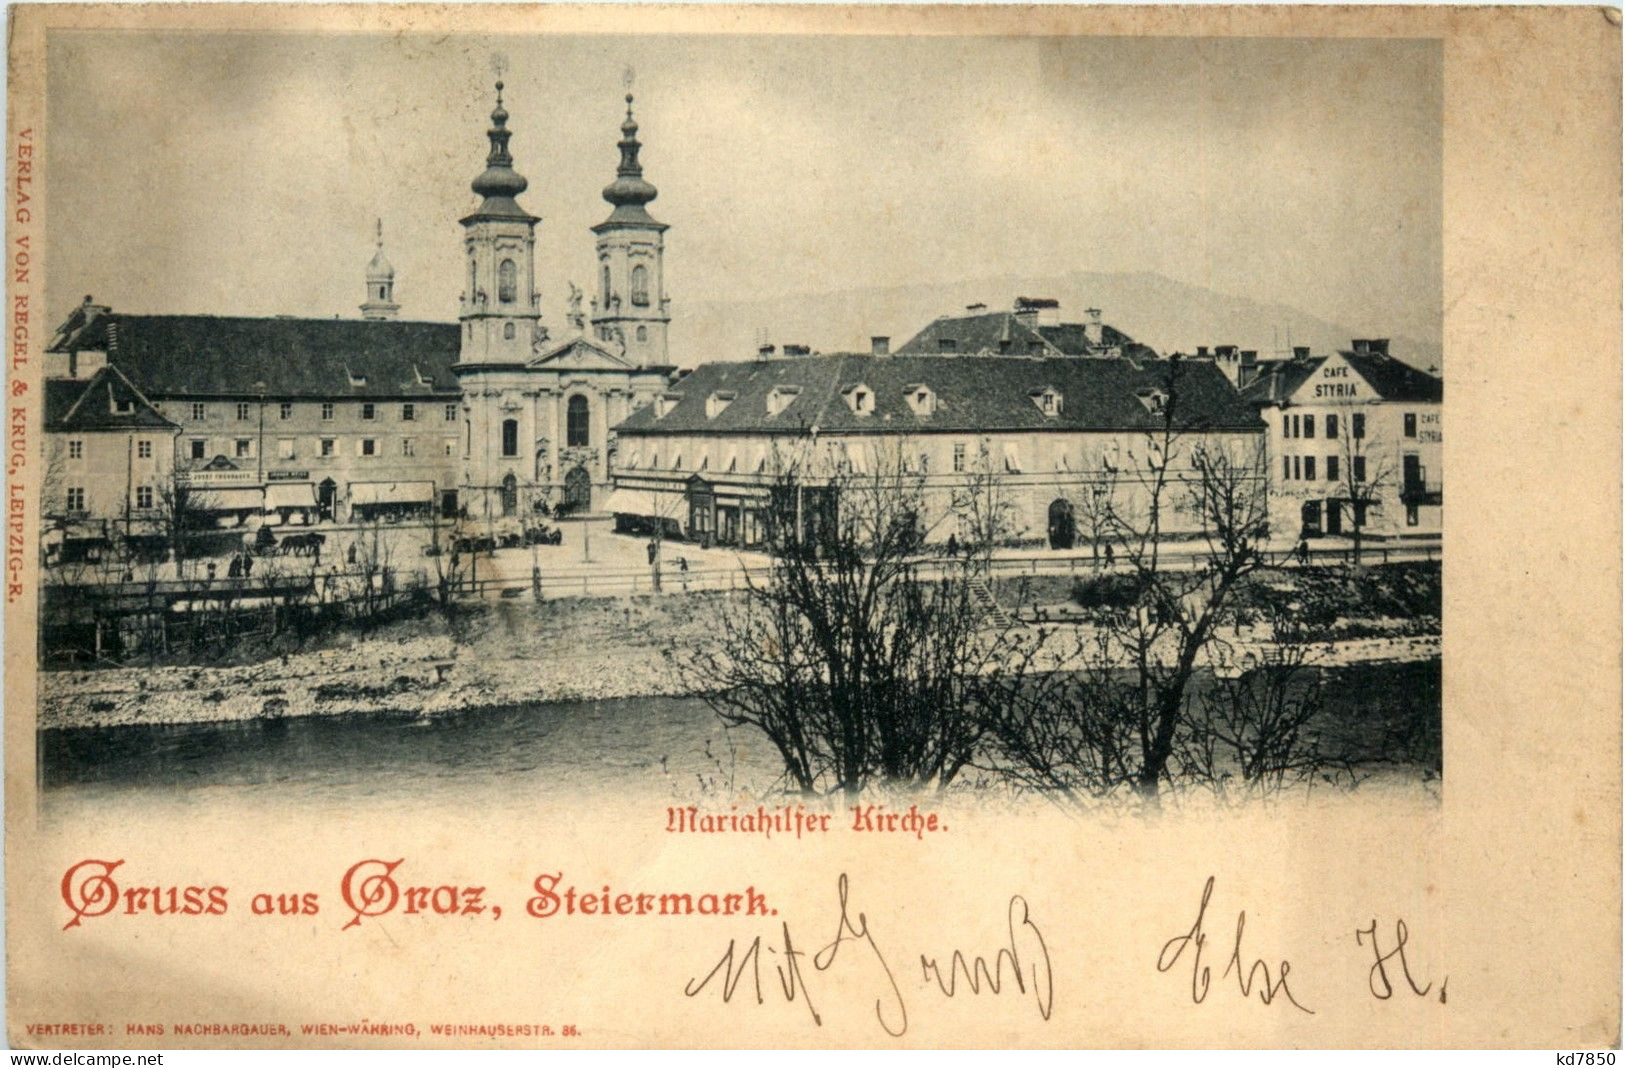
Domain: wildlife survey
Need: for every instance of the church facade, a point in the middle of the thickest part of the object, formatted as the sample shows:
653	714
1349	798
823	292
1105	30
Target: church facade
302	420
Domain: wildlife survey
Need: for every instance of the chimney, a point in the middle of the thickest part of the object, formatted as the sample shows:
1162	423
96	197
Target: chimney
1225	352
797	350
1201	351
1093	329
765	351
1038	311
976	309
880	345
1300	352
1362	345
1379	346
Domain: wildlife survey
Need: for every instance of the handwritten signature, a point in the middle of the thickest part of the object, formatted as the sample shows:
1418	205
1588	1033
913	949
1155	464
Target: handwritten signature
1251	976
1025	955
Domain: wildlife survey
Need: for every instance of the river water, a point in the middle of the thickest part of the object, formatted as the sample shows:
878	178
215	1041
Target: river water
521	754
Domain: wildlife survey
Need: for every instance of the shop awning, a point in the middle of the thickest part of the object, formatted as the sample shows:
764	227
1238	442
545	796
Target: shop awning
642	502
289	495
391	493
225	500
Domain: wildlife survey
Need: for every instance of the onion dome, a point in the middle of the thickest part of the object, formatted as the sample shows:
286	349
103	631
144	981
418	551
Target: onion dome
499	183
380	269
629	192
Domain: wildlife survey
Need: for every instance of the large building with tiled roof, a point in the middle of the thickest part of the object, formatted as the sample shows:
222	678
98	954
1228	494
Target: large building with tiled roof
1032	327
1356	441
1049	429
300	420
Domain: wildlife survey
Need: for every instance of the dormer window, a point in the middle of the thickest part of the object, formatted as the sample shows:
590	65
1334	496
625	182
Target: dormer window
123	406
665	403
718	402
1155	400
921	399
1048	401
781	397
356	381
860	398
947	344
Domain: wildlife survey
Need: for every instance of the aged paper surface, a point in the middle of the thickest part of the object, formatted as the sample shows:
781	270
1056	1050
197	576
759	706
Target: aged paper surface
278	776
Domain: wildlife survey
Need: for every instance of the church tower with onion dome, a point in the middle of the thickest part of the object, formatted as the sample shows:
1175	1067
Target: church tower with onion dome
501	308
631	307
380	302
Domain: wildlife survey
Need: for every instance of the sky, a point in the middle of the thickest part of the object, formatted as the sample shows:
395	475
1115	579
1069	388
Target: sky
240	174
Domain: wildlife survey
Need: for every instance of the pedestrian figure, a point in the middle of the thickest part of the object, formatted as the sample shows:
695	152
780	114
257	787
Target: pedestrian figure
953	547
350	556
248	565
1303	550
1110	555
653	551
235	568
211	570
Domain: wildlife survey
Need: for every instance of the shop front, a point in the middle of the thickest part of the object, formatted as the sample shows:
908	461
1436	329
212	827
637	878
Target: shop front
390	502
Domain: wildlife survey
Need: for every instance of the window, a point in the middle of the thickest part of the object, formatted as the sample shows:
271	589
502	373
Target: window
1047	402
1296	427
1331	469
199	410
76	498
244	447
76	450
510	437
408	448
1308	426
369	447
409	412
640	286
947	344
451	446
1331	426
143	449
143	497
284	448
862	402
199	447
1411	516
123	406
507	331
1297	467
285	410
1357	424
1286	467
577	429
1286	425
959	456
606	285
327	446
1410	428
245	410
451	413
643	333
1359	467
327	412
369	411
1309	468
507	282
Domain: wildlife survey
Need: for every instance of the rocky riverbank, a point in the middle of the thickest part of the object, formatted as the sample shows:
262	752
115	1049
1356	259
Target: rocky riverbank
505	654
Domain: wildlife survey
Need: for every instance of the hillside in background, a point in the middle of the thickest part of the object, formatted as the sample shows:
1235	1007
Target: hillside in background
1169	316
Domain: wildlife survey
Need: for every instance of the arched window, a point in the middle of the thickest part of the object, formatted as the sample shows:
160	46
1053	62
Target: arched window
510	437
507	282
577	430
473	281
640	285
380	292
510	495
606	285
643	333
507	331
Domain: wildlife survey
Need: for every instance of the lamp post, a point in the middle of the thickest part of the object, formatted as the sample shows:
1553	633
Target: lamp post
259	450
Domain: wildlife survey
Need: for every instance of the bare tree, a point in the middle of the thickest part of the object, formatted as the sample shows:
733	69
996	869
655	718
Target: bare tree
855	667
985	512
1116	719
1365	472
